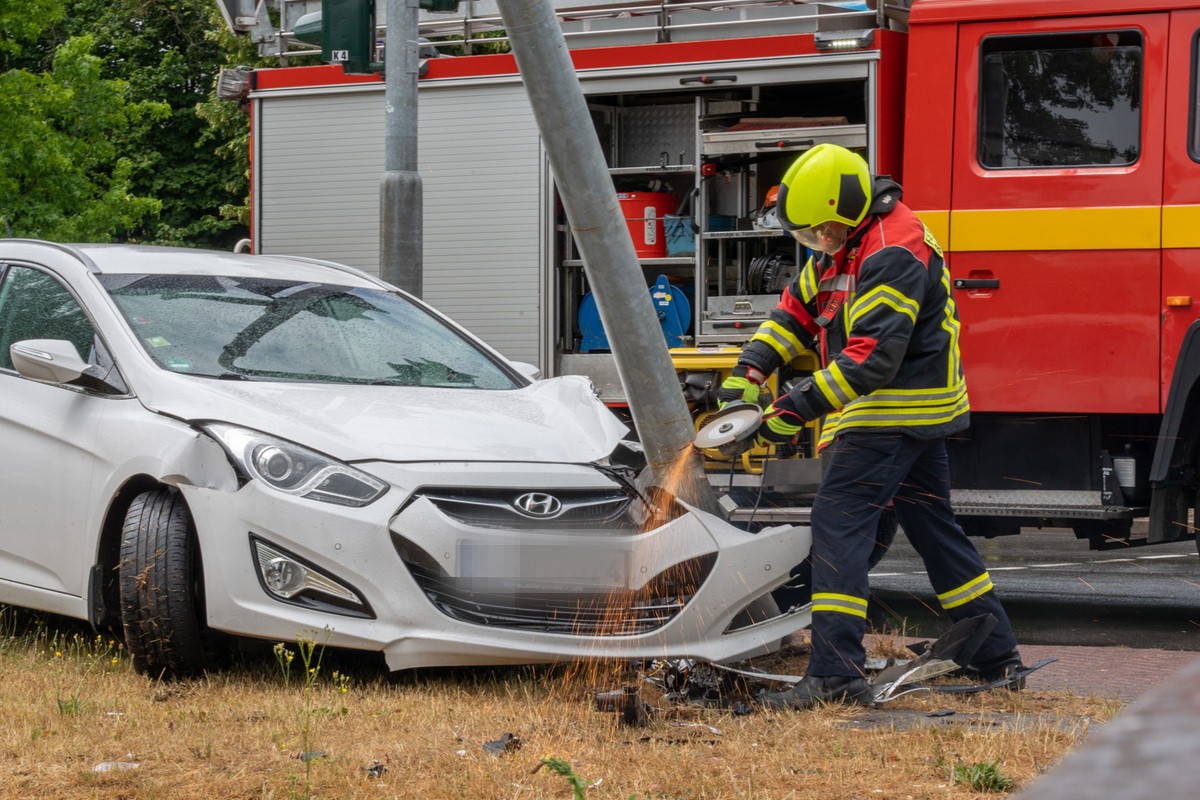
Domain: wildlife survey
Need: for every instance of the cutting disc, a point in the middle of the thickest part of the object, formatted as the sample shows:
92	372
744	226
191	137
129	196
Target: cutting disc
733	425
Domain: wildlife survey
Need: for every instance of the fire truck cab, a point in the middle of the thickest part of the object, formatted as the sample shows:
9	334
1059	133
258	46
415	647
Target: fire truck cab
1053	150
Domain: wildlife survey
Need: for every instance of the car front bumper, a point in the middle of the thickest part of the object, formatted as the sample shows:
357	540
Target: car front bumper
430	589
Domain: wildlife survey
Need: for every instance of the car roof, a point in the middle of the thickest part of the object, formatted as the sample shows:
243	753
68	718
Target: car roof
130	259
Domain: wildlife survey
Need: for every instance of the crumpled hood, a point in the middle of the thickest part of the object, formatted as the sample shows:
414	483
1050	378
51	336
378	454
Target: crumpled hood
556	420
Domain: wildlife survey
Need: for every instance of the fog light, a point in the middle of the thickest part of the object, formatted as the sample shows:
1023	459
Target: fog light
285	576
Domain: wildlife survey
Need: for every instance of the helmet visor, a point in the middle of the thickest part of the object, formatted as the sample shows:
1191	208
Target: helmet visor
828	237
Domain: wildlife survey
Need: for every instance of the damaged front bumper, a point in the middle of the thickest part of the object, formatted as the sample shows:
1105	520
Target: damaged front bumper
447	573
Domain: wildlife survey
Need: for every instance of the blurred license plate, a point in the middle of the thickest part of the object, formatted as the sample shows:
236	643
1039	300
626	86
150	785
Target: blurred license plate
544	566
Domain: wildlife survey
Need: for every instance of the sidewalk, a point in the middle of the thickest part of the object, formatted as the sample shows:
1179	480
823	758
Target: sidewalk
1117	672
1149	752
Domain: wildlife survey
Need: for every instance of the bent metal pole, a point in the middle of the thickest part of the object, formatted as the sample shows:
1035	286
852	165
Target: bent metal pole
663	422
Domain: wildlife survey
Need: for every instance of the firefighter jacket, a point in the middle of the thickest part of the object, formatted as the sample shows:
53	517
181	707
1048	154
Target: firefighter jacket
881	315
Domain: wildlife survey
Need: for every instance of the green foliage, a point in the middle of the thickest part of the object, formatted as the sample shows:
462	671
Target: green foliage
983	777
22	21
113	128
62	175
561	767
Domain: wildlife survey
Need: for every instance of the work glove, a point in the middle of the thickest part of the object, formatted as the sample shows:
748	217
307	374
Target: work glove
781	424
744	383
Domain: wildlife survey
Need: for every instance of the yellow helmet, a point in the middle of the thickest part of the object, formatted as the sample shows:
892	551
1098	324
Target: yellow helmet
827	183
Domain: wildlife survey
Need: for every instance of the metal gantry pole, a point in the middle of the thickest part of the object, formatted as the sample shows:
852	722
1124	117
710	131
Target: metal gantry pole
400	197
589	197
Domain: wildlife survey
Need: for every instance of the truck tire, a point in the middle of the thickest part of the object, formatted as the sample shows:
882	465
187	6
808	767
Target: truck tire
1168	513
162	591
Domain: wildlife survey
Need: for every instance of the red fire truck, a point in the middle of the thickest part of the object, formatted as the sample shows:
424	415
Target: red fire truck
1052	148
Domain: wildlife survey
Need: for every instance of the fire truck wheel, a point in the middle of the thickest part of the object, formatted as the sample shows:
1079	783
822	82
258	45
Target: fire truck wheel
1169	513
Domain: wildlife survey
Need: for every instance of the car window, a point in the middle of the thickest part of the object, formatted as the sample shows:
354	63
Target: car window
260	329
34	305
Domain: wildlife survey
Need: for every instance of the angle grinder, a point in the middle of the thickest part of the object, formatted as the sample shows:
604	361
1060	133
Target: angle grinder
731	430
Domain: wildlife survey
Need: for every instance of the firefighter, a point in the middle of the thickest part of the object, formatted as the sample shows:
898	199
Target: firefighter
875	301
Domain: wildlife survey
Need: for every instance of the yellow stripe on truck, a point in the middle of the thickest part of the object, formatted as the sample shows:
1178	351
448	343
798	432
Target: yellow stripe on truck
1095	228
1180	227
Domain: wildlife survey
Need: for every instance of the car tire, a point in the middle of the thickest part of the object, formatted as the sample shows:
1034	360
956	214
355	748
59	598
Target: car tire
162	591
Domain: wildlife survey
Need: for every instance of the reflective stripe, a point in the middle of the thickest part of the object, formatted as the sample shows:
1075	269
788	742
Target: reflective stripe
884	295
951	326
808	282
965	593
779	338
904	413
835	372
837	391
841	603
838	283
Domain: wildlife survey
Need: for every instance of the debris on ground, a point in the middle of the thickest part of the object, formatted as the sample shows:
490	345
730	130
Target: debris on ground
507	743
376	769
686	683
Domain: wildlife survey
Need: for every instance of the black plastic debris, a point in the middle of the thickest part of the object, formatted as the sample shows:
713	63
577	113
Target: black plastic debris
376	769
635	711
943	713
505	744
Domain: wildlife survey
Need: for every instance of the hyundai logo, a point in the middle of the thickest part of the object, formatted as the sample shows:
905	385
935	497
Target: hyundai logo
538	505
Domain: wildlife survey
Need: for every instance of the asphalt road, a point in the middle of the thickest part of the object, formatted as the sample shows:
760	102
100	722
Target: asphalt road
1057	591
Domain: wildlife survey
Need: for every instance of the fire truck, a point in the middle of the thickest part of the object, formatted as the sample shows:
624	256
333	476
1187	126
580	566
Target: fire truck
1053	149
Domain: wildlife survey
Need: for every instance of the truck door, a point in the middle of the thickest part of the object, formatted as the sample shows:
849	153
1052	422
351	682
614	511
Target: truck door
1181	191
1056	212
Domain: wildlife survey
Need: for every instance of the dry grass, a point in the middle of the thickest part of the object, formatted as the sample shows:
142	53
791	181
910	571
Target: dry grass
71	701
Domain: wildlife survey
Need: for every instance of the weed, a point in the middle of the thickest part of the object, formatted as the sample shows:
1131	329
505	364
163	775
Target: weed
984	776
69	706
284	656
311	653
561	767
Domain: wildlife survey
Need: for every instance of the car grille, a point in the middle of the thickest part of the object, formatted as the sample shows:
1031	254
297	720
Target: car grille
579	509
567	611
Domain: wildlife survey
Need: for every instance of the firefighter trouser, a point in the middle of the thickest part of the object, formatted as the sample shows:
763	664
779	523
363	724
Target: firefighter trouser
865	471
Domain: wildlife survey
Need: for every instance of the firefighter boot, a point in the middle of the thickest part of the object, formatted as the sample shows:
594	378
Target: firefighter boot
812	690
998	668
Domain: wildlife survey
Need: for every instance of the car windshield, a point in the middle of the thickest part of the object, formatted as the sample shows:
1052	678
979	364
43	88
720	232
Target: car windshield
267	329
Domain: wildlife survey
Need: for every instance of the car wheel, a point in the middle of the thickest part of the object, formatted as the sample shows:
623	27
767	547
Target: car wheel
162	591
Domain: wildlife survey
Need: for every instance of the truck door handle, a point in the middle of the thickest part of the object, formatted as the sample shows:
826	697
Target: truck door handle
976	283
782	143
707	79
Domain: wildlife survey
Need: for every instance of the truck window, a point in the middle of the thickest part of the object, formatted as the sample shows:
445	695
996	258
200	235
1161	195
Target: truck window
1194	121
1060	100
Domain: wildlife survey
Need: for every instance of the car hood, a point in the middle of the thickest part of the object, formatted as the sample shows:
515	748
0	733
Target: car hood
556	420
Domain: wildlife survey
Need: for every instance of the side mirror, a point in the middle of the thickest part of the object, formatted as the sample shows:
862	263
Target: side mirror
526	369
54	360
57	361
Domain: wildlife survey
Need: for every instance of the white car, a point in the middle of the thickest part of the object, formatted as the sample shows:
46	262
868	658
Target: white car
199	446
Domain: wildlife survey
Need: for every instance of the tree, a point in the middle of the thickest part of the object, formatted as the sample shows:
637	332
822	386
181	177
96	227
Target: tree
62	172
171	167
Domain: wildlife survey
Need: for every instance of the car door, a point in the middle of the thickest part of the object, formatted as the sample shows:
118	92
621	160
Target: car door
1055	215
47	436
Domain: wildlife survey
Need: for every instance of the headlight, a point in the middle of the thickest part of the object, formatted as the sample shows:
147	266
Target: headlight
289	468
